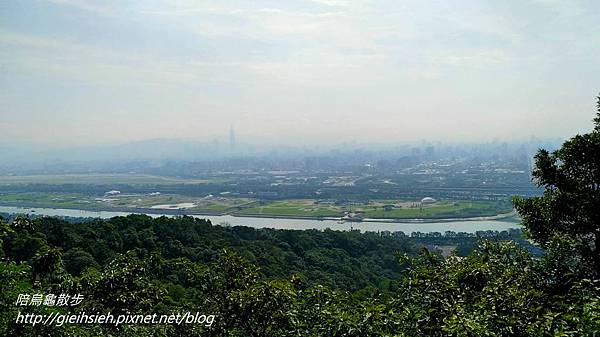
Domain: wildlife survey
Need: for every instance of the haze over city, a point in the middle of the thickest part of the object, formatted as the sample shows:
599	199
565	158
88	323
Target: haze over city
289	72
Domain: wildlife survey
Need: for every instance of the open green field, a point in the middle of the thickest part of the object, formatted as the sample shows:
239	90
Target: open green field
388	209
158	202
298	208
459	209
309	208
211	205
98	179
58	200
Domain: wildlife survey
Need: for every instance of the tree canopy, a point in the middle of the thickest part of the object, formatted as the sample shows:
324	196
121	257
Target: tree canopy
570	205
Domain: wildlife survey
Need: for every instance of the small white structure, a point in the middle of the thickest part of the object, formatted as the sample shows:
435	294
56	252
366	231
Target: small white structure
113	192
428	201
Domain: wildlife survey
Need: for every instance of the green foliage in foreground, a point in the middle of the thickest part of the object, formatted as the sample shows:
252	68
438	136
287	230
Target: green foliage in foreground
344	260
500	289
570	205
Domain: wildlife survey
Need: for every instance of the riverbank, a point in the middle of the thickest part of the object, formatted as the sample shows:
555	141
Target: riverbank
181	212
84	207
293	224
390	220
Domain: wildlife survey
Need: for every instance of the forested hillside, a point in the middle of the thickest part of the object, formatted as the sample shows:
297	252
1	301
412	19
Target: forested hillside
345	260
298	283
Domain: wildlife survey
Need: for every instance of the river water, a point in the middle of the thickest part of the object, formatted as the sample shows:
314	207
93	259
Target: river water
280	223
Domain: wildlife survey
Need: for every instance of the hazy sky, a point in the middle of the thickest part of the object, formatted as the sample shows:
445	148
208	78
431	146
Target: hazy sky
297	71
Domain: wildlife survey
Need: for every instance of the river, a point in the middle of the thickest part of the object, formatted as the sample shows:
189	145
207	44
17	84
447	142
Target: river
281	223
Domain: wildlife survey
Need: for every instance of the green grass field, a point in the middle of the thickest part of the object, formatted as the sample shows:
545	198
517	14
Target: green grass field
212	205
301	208
376	209
439	210
131	201
62	199
380	209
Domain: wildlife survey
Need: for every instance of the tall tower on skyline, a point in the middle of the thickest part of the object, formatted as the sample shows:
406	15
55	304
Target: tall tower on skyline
231	137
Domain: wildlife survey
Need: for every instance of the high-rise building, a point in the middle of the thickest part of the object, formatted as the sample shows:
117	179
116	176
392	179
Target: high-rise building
231	138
